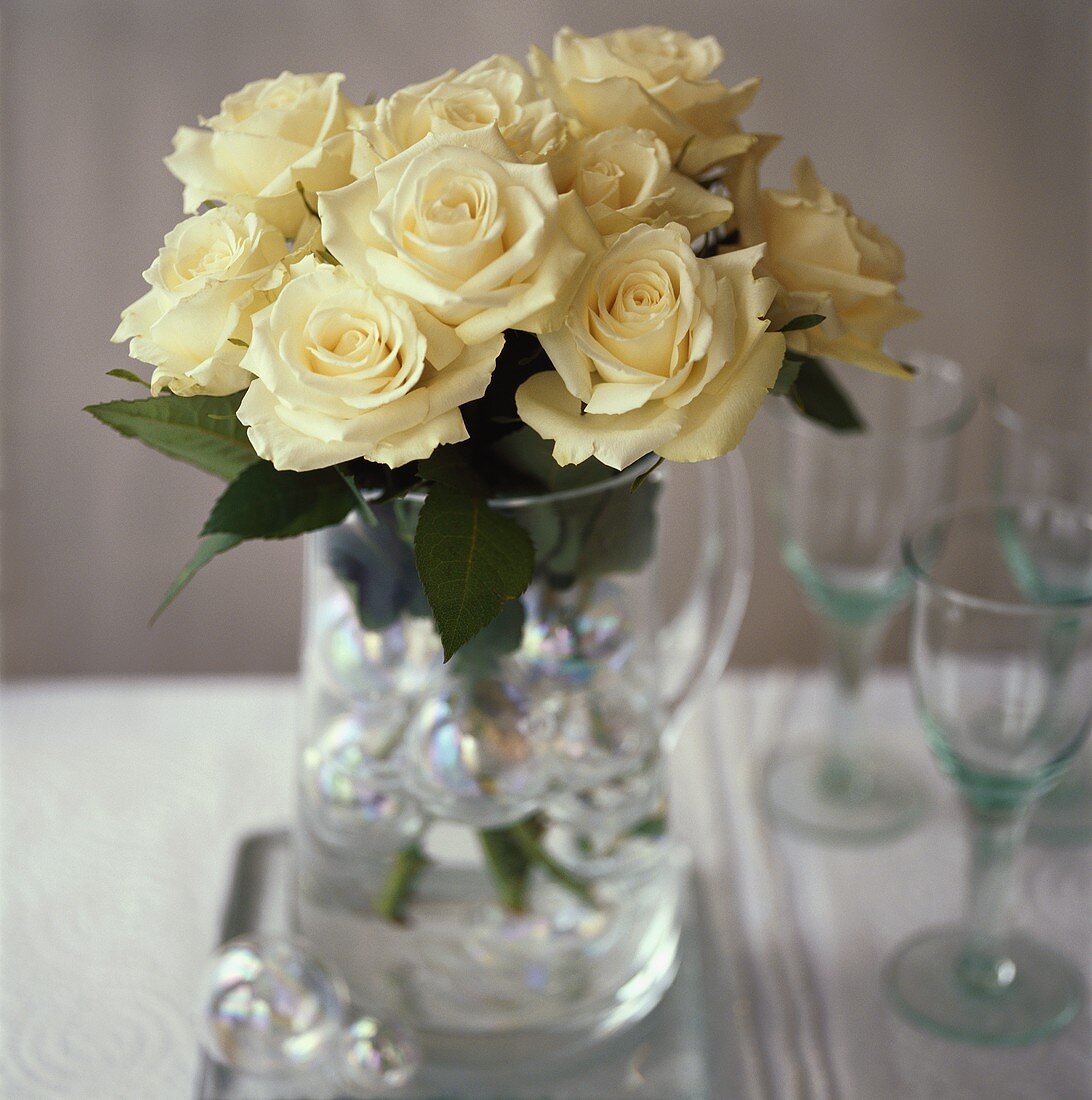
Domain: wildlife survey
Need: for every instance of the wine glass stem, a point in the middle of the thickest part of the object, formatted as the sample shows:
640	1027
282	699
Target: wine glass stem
850	652
985	965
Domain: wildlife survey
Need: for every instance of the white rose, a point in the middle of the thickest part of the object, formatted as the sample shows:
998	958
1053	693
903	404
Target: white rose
459	224
661	351
624	178
344	370
212	272
498	91
650	78
268	137
833	263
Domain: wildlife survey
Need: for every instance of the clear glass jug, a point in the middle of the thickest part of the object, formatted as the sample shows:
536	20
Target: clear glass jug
483	847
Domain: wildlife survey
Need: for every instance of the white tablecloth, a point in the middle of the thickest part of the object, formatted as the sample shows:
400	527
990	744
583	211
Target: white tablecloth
123	801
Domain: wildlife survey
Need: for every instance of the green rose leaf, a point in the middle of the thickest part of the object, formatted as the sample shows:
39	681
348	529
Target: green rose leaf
471	560
266	503
127	376
819	397
202	431
207	549
786	377
806	320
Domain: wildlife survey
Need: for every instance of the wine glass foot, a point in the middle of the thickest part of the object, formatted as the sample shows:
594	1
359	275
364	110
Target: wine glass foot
1045	995
803	795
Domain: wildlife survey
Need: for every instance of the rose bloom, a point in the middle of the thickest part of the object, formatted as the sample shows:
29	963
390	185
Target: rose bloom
212	272
344	370
833	263
498	91
624	177
461	225
268	137
650	78
661	351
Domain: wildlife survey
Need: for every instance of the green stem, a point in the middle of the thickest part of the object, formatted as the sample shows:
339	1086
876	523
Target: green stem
401	879
526	835
508	866
364	509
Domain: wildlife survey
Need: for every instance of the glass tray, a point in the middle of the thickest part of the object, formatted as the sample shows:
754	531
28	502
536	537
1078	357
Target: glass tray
667	1056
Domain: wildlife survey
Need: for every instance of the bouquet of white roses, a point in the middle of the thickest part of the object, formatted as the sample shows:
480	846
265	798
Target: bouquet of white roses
483	280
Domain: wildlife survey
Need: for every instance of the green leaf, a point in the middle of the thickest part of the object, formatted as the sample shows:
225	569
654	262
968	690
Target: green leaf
480	656
238	343
183	428
449	466
127	376
470	560
786	377
640	479
207	549
819	397
266	503
805	320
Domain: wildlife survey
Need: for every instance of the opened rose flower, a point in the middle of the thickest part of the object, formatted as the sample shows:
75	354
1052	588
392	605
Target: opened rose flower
625	178
832	263
461	225
266	139
344	370
212	272
661	352
497	91
651	78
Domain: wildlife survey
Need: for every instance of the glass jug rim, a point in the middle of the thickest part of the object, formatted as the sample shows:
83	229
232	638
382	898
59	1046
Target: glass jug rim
923	576
634	470
943	425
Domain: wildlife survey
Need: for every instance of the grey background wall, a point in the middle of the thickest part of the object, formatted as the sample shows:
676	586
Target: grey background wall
961	126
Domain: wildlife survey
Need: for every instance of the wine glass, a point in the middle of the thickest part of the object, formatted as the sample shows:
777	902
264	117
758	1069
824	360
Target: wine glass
1041	445
840	503
1001	653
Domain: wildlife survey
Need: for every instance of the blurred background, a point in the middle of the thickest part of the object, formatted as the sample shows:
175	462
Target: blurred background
962	127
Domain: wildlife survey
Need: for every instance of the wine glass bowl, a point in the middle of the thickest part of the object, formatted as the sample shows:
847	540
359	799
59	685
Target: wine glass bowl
1041	445
1003	681
840	501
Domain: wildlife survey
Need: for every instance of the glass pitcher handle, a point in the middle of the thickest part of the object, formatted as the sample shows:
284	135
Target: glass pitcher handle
696	643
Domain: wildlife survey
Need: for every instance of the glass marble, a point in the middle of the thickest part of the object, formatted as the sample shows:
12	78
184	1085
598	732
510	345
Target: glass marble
604	731
376	666
268	1006
608	810
476	754
378	1054
570	640
350	793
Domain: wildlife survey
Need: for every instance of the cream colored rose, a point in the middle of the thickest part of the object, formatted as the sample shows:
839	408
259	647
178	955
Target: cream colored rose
344	370
498	91
833	263
661	351
650	78
268	137
459	224
211	274
624	178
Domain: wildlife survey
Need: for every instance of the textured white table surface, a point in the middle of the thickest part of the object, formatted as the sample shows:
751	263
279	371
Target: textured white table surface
122	803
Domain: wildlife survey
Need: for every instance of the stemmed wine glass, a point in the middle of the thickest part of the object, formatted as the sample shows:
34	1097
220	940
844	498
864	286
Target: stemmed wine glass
1001	653
1041	445
840	502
